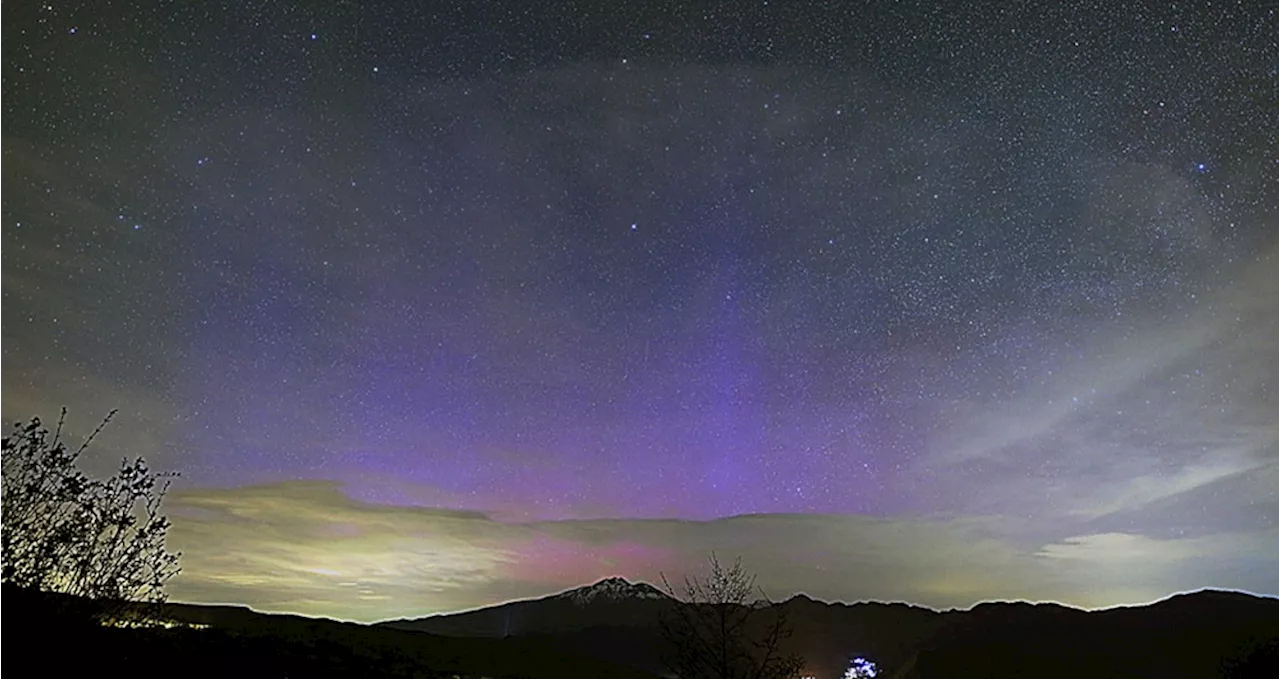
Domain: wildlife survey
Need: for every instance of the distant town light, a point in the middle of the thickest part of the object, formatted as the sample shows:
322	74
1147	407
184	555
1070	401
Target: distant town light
133	623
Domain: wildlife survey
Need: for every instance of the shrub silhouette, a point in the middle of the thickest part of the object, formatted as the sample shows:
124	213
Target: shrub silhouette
720	632
62	531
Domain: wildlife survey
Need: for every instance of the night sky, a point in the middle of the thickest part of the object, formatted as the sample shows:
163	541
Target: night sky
434	307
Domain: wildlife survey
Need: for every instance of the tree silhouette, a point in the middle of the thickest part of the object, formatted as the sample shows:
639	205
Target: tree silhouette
719	631
62	531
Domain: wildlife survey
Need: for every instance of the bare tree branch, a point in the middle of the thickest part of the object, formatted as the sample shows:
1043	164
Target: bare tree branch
716	631
63	531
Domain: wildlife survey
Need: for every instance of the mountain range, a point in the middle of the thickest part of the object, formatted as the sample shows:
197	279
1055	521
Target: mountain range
1208	633
611	629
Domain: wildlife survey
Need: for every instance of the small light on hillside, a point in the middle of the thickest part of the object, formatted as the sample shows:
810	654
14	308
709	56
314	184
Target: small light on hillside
861	668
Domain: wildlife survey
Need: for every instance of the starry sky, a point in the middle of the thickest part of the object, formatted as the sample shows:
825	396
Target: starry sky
434	307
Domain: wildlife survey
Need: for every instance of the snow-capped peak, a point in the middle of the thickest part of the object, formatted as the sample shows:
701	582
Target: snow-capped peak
613	589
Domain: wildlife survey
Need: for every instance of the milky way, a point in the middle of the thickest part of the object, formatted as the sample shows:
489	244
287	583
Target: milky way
516	299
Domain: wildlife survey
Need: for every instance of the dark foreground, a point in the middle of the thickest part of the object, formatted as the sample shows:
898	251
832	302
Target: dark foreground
1206	634
53	636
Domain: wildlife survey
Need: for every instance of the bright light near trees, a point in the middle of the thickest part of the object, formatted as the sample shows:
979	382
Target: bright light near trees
147	623
861	668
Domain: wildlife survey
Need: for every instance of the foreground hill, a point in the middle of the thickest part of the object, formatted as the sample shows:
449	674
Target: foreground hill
232	641
1203	634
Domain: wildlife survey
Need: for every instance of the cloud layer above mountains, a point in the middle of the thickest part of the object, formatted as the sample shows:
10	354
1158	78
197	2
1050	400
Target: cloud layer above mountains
306	547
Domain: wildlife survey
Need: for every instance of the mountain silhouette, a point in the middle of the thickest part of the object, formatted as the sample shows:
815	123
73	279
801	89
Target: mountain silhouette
612	602
1208	633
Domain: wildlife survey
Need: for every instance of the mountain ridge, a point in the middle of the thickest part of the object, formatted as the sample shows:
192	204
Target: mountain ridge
1187	634
613	588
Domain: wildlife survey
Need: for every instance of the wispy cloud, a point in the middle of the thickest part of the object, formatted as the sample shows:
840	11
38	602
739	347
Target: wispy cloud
1151	408
1124	549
